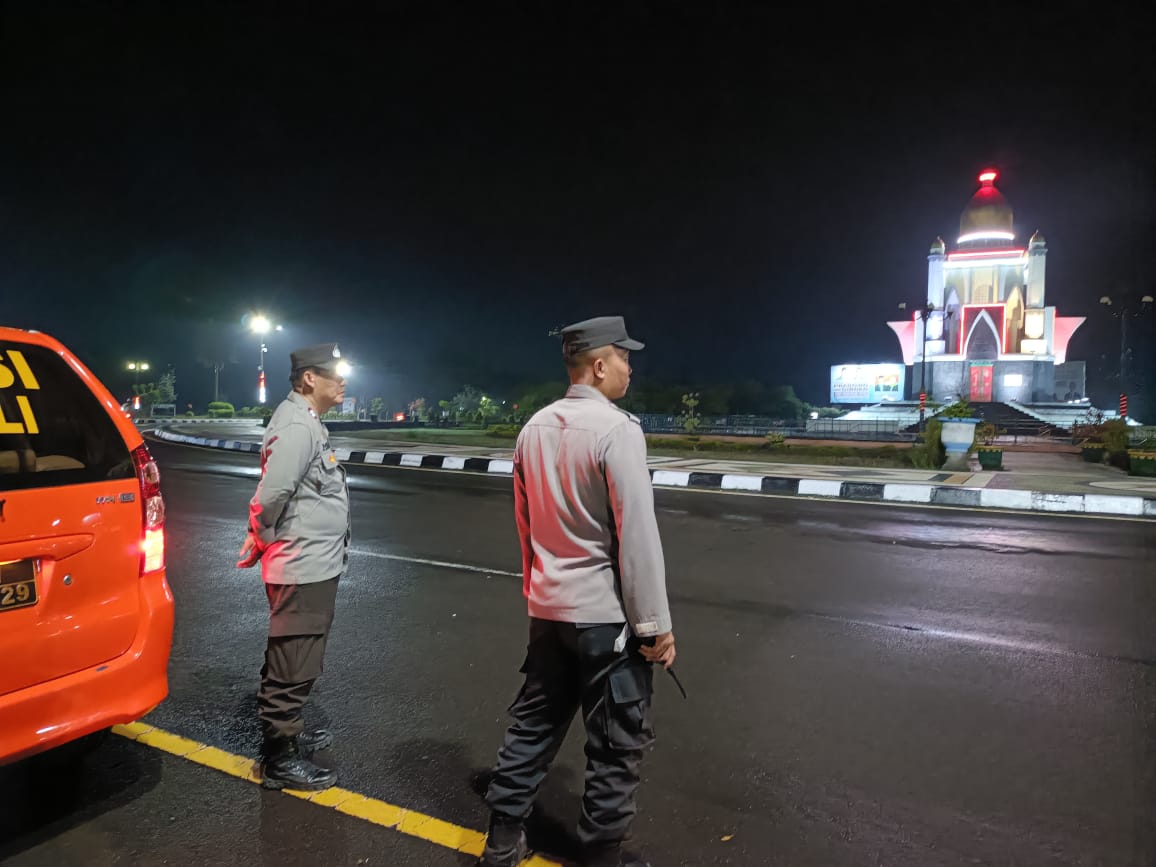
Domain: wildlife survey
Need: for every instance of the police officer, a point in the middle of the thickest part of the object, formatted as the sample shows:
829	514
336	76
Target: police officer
595	584
299	531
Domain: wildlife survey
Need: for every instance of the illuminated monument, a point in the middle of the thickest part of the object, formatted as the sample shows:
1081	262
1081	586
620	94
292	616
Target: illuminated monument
986	332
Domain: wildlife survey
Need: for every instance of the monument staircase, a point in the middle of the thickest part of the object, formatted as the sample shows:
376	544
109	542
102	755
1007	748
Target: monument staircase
1011	421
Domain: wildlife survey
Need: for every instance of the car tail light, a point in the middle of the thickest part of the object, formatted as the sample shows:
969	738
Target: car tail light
152	546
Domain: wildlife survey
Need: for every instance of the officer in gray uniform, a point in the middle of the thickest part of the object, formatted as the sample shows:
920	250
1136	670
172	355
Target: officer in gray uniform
299	532
595	585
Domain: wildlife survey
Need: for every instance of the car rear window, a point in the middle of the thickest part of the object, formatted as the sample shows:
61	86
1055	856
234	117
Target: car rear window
53	430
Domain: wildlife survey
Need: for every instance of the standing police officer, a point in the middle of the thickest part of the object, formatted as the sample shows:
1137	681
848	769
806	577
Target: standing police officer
595	583
299	530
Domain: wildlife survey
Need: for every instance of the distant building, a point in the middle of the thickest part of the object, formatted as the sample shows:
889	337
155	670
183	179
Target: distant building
990	335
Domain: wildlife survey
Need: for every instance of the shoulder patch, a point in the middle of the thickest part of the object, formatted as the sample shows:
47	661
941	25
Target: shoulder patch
629	415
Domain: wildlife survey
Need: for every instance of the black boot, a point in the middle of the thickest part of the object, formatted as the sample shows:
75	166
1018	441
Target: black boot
505	844
283	767
311	742
612	855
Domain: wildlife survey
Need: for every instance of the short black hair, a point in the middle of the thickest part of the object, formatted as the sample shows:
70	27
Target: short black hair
576	360
297	377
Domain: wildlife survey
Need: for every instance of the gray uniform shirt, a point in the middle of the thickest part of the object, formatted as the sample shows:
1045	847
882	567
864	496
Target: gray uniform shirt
584	504
300	512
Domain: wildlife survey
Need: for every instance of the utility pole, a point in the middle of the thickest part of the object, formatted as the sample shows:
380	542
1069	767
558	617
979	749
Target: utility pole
1124	314
924	314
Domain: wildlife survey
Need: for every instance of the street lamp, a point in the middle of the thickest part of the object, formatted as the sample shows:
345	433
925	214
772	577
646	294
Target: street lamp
924	314
1124	314
260	325
136	367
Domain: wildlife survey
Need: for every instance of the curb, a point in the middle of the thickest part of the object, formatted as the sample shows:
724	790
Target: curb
938	495
170	421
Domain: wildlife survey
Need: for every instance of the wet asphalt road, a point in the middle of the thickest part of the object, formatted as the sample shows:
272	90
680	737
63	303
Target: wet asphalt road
869	685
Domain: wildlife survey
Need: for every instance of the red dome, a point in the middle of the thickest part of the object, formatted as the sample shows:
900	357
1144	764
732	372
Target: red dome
988	216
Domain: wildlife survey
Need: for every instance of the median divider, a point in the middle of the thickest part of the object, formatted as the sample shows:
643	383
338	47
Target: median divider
932	494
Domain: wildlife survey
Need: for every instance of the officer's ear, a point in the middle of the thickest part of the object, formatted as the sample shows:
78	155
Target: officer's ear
599	366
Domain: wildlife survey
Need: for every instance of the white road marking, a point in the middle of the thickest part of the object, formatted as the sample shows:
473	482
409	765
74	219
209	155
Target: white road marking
445	564
365	552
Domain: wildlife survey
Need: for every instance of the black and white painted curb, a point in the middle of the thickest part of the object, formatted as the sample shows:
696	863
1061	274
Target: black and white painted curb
940	495
197	421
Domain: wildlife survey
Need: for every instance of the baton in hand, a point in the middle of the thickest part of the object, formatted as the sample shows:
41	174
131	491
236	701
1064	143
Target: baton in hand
649	642
677	682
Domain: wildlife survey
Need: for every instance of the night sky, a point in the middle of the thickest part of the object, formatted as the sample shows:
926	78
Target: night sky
438	185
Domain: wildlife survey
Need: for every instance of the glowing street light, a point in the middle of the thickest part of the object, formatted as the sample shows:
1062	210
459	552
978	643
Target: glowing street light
137	367
260	325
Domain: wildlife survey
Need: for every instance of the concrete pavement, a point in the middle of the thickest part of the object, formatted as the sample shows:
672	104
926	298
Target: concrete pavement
1031	480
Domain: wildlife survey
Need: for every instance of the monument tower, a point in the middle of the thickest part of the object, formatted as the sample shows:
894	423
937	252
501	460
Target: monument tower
990	335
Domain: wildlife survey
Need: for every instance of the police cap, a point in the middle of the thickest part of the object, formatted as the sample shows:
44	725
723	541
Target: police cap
593	333
325	356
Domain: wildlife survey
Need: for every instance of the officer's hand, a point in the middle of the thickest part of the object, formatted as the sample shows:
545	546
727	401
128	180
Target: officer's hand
250	552
662	651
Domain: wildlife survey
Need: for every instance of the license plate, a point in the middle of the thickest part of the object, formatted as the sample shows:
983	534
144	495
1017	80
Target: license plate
17	584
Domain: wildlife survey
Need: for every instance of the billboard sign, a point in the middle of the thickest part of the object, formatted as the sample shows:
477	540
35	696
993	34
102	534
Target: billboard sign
867	383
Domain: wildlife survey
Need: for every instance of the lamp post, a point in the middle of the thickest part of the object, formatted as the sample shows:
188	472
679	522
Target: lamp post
1125	313
924	314
136	367
260	325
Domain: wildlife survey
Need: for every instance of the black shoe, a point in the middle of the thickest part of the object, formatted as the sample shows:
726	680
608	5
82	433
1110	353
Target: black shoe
283	767
318	739
505	844
613	856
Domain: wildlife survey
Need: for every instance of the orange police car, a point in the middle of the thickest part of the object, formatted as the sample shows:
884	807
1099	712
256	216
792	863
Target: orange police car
86	614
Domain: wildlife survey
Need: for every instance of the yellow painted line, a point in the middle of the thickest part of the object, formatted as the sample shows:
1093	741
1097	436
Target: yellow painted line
219	760
132	730
170	743
408	822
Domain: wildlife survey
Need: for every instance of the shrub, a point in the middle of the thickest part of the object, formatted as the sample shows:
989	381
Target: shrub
1114	435
959	409
888	456
221	409
985	432
254	412
505	431
930	453
690	419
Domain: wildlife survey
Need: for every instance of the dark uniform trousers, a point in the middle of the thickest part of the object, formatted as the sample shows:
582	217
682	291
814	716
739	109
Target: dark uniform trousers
570	666
299	619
